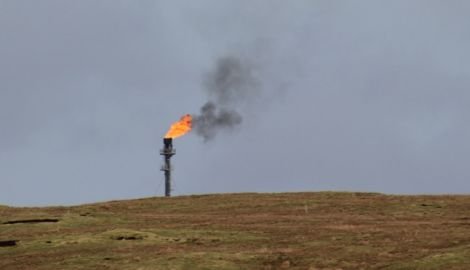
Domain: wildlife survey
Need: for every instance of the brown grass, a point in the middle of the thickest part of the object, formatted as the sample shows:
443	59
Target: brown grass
324	230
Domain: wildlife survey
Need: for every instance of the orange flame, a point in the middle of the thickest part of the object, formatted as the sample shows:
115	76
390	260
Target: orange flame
181	127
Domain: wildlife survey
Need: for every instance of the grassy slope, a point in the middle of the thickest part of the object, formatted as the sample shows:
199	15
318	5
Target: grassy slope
245	231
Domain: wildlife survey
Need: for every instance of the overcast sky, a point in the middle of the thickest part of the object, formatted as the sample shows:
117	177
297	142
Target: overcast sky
350	96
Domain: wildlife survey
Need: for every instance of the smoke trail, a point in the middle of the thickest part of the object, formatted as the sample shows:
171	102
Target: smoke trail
229	85
231	82
211	120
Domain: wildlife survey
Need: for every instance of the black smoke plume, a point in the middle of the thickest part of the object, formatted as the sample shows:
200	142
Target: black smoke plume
228	86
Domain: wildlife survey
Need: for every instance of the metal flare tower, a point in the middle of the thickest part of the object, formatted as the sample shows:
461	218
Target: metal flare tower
167	152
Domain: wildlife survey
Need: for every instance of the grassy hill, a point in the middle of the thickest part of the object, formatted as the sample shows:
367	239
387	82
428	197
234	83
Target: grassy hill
325	230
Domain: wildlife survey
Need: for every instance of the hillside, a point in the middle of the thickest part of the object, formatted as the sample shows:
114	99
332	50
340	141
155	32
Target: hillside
323	230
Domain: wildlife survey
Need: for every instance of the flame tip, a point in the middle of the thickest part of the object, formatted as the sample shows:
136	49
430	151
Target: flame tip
180	127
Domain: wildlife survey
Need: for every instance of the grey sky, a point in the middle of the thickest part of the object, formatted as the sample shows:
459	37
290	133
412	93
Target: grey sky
354	95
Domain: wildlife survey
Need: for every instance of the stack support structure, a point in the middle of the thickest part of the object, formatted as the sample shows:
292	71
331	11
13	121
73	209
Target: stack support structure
167	152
